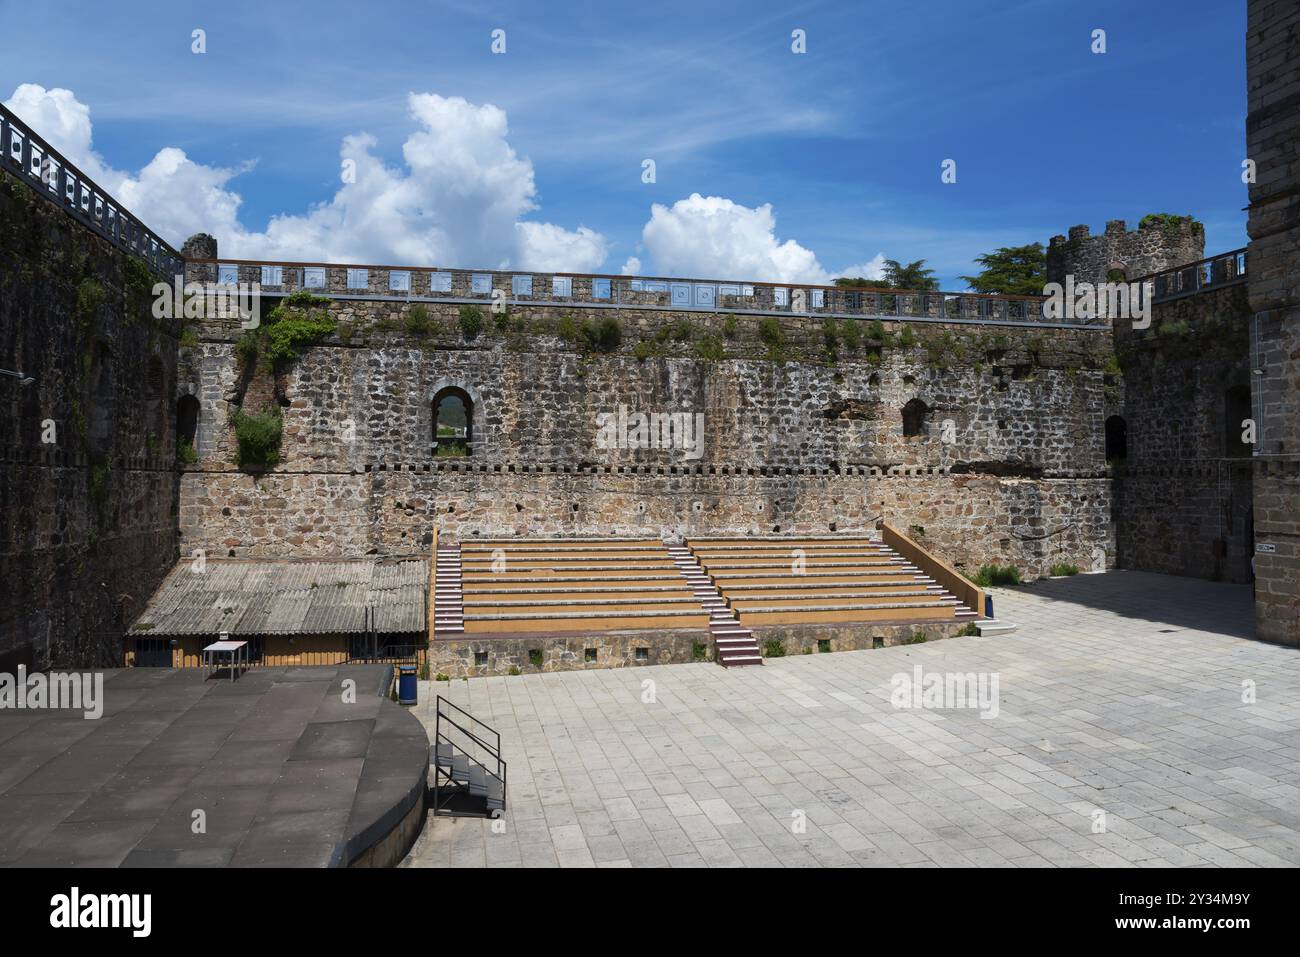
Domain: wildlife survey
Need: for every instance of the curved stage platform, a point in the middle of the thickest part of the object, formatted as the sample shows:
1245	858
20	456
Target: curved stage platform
274	769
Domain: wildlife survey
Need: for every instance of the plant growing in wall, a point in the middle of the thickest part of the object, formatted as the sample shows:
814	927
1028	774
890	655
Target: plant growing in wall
1169	222
772	335
418	321
471	322
603	335
298	322
258	437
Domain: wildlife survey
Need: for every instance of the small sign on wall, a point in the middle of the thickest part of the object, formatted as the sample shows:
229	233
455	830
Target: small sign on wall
1265	548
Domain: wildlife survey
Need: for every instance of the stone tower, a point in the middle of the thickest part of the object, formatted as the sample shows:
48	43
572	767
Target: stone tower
1272	131
1155	246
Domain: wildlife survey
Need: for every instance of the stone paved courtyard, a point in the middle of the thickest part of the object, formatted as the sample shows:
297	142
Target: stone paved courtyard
1120	693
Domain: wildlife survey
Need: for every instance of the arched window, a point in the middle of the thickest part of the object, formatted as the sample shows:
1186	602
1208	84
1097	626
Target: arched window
453	422
1236	409
1116	438
914	417
187	423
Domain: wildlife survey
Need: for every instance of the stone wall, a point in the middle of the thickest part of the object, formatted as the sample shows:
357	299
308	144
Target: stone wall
88	484
1007	463
1272	134
460	657
1182	492
1137	252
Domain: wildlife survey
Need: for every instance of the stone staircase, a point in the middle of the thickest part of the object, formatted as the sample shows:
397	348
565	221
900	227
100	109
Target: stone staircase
448	595
733	645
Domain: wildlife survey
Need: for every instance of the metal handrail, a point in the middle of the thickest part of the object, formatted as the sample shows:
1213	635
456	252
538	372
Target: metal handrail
502	768
37	164
1212	272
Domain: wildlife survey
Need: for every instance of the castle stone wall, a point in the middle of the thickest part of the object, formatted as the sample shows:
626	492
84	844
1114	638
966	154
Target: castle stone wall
1272	135
88	486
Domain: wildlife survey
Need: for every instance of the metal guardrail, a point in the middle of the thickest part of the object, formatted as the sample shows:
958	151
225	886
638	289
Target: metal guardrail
1214	272
431	284
33	161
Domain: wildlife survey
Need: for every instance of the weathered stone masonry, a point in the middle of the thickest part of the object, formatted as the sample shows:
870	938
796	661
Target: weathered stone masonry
1273	143
90	518
809	446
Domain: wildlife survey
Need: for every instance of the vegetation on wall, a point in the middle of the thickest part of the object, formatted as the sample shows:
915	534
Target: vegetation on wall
299	321
471	322
1169	222
772	335
258	437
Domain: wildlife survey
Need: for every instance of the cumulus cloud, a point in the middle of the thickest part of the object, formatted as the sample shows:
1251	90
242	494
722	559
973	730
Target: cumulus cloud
873	268
459	200
716	237
632	267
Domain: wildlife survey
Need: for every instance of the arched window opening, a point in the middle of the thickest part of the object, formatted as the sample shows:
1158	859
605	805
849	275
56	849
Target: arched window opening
187	426
915	415
1116	439
453	423
1236	409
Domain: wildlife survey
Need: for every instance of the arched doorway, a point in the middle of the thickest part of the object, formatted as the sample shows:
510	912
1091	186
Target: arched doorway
187	425
453	422
914	417
1116	439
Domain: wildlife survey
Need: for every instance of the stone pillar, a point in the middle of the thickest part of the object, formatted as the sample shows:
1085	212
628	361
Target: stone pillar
200	246
1273	270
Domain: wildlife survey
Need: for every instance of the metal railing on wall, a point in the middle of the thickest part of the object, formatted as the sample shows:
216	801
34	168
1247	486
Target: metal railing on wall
1214	272
41	167
428	284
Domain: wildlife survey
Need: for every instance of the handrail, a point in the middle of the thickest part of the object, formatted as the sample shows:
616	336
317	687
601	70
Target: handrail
36	163
459	286
1212	272
494	753
495	733
381	267
962	588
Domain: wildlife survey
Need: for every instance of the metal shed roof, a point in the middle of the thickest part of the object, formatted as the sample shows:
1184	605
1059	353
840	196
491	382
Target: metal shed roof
289	598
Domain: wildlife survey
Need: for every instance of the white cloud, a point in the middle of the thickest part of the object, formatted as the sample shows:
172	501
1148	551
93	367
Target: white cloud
459	200
632	267
874	268
714	237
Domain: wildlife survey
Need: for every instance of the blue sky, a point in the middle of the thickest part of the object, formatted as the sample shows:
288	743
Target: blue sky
844	142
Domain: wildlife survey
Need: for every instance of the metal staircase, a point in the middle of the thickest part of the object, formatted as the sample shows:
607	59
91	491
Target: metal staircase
469	777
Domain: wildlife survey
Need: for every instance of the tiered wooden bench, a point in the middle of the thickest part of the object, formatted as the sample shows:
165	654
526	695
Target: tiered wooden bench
795	581
574	585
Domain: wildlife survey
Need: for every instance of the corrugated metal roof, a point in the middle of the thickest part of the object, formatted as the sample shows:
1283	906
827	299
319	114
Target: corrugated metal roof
288	598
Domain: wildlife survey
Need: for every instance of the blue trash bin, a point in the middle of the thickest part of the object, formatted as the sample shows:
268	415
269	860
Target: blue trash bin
988	606
407	688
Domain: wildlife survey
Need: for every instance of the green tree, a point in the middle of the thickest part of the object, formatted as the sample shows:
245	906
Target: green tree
913	276
1011	271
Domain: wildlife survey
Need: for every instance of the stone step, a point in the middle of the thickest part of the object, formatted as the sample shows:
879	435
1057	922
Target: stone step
994	627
